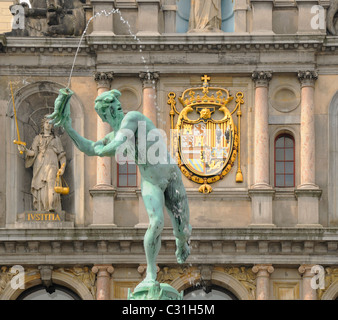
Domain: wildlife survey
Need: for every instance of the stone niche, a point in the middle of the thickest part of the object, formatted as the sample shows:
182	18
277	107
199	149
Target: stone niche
33	102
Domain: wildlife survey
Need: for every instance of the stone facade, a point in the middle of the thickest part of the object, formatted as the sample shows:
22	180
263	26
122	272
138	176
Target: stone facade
251	238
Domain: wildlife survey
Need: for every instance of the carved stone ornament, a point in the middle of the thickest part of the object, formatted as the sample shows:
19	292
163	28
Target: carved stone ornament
103	79
82	274
307	78
261	78
149	78
48	18
332	18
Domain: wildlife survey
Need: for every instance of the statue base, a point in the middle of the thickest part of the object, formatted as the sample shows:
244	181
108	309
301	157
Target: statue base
45	219
154	291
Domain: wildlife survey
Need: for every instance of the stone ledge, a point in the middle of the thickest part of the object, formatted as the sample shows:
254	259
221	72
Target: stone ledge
244	245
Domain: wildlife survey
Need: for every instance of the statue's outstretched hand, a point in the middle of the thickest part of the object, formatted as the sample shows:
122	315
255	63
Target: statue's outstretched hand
61	114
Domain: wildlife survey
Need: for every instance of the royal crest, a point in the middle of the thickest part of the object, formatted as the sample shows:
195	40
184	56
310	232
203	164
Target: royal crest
206	139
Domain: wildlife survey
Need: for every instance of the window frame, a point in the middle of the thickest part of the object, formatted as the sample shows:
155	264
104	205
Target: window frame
290	136
127	174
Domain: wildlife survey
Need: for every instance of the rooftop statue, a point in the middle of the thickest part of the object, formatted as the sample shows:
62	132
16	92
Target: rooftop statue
48	18
161	183
205	16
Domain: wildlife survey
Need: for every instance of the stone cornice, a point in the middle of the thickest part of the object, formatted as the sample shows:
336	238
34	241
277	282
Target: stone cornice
209	245
173	42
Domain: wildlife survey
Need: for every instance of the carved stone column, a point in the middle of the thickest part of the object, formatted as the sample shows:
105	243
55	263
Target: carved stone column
308	292
103	167
103	192
308	192
103	281
261	192
149	81
263	280
307	130
261	154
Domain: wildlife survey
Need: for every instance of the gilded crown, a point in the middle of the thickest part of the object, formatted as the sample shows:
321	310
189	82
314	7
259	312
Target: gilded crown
205	95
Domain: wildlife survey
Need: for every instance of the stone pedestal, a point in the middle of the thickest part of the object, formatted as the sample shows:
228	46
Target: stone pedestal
169	14
308	207
261	207
240	10
103	207
308	292
103	25
263	280
148	19
103	281
307	22
262	16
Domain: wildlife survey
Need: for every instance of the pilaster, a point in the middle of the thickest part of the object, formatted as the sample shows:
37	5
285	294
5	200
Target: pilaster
149	81
104	24
169	9
148	17
103	192
308	292
103	276
308	193
263	280
262	16
261	192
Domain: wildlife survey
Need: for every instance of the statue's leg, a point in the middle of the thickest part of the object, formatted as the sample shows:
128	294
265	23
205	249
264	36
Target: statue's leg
153	199
177	206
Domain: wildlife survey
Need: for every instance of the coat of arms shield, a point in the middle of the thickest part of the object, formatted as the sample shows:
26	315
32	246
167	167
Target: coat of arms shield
207	143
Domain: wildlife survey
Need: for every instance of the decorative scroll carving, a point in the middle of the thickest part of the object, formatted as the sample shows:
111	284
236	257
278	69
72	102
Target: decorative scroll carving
332	18
82	274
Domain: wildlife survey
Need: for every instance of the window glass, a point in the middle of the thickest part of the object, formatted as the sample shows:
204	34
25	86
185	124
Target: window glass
284	161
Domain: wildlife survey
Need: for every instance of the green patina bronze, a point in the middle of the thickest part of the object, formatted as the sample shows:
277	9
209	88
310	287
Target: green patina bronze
161	183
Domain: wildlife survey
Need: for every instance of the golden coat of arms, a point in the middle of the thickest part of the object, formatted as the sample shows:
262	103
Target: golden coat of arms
206	140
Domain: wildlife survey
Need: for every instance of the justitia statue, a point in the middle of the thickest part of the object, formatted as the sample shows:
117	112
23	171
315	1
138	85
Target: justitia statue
205	15
48	159
161	183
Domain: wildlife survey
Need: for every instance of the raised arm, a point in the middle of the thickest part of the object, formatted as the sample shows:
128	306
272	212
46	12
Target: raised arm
61	117
126	133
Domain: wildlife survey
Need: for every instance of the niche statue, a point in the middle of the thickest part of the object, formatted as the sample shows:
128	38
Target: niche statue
161	183
205	16
48	159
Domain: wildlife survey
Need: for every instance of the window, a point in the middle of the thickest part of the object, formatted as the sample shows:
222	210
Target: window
55	292
214	292
127	174
284	161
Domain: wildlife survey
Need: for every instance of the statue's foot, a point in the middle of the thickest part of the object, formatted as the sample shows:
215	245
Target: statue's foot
182	252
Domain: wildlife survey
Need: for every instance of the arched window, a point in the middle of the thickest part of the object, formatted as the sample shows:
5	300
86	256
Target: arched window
55	292
213	292
284	161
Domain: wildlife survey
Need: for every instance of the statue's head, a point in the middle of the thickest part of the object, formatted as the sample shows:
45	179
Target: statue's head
108	106
45	125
